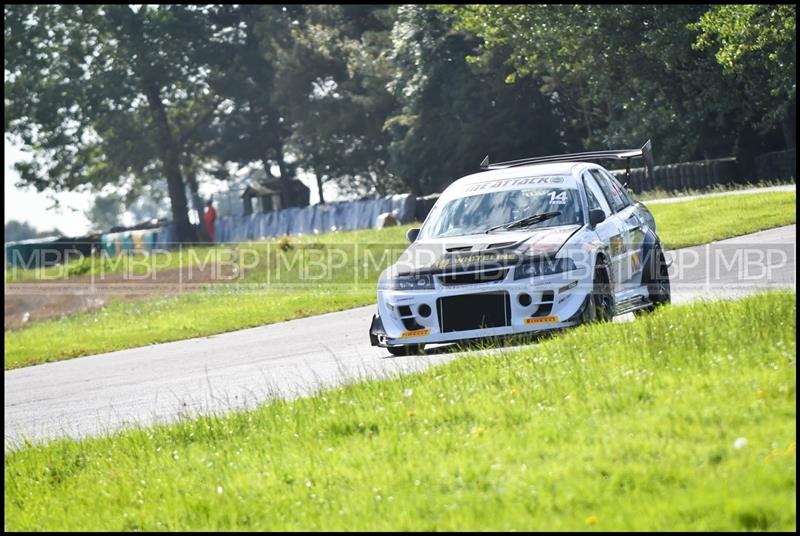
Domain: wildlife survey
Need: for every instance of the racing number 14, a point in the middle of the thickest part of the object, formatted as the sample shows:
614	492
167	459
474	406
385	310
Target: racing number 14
558	199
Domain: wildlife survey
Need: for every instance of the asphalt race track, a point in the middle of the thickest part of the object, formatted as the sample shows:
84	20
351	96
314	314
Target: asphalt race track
159	383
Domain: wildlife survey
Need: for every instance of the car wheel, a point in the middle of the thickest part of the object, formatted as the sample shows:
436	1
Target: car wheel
656	278
600	302
406	349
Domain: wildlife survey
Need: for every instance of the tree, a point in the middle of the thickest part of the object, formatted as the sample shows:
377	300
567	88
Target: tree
16	231
247	41
108	208
97	93
622	73
150	204
454	113
332	82
105	212
757	44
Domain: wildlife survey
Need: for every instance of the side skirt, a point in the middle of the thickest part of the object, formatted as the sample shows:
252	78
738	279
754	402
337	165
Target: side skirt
630	305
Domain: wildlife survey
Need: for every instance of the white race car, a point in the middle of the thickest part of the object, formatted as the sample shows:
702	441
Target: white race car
524	246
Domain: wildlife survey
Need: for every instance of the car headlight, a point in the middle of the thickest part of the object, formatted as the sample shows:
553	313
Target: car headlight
405	282
543	266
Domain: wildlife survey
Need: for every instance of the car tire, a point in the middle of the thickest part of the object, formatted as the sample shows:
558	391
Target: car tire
656	278
406	349
599	305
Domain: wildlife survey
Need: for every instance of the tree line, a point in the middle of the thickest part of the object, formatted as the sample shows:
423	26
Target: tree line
383	99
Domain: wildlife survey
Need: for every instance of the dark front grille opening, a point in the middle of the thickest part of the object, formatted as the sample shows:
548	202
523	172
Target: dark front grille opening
474	277
474	311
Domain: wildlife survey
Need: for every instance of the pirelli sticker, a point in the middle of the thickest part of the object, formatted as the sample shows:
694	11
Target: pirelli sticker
542	320
415	333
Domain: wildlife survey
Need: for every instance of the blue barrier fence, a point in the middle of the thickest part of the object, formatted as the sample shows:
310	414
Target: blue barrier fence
314	219
341	216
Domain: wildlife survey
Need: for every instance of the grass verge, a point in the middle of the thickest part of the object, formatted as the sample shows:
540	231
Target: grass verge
208	312
660	193
683	420
700	221
128	324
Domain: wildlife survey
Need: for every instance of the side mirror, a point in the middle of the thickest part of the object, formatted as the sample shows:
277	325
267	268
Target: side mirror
412	234
596	215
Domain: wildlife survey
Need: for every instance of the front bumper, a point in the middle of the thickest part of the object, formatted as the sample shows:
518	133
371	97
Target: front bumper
413	317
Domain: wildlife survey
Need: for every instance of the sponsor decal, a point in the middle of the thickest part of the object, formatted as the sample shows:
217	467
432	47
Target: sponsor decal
617	245
505	183
415	333
542	320
636	262
474	259
567	287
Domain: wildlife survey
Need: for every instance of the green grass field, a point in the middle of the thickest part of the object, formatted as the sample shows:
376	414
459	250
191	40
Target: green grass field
251	302
660	193
682	420
700	221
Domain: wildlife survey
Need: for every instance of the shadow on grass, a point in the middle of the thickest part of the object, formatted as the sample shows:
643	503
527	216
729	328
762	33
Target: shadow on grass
485	343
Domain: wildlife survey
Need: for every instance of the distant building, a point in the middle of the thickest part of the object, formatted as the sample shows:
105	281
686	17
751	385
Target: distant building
265	196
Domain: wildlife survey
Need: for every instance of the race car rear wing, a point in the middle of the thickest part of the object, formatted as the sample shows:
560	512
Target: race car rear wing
645	153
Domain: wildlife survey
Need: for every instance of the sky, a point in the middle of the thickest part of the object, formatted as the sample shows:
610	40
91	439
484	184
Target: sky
37	208
26	204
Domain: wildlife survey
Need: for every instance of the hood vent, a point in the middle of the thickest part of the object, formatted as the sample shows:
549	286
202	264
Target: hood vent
500	245
458	248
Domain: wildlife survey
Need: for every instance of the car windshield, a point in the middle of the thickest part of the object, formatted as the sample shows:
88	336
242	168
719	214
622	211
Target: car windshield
477	214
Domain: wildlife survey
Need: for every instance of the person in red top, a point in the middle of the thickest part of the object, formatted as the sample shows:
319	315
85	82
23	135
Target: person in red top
209	218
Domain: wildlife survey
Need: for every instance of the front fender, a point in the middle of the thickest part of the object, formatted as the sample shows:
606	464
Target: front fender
646	215
594	249
649	242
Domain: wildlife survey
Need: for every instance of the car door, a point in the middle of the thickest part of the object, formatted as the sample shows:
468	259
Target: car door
610	230
631	227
